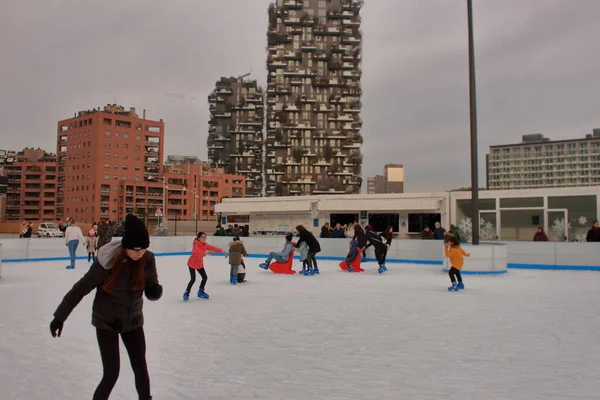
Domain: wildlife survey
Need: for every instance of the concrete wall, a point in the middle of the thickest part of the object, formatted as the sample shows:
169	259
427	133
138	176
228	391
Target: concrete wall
534	255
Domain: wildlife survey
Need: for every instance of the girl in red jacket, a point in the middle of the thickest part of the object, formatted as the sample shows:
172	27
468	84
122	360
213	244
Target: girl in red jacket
196	263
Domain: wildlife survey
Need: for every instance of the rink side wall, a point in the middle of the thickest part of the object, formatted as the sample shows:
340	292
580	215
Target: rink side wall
525	255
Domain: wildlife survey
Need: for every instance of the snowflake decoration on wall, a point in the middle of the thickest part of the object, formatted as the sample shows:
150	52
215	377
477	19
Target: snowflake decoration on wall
582	221
558	228
582	237
487	231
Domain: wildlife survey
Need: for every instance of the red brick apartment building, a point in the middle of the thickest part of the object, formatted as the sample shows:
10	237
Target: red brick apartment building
110	163
32	179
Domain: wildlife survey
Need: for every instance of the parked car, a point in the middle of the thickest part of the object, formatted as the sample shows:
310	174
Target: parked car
49	229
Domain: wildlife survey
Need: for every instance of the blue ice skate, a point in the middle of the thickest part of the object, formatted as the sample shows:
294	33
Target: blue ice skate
351	269
202	294
303	272
453	287
233	280
460	285
316	271
70	267
382	268
309	272
264	266
186	296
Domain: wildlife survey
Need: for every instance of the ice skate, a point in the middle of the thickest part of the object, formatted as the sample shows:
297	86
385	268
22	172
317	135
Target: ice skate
186	296
382	268
233	280
264	266
316	271
454	287
351	269
460	285
309	272
202	294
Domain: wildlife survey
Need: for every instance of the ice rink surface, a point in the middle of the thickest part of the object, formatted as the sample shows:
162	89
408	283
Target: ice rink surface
524	335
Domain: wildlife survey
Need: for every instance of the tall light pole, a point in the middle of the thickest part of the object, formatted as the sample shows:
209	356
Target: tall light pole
473	123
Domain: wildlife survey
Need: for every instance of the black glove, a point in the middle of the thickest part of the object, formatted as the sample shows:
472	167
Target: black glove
154	292
56	327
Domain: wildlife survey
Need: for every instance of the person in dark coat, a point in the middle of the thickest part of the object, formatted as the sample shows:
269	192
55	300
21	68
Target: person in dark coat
104	234
121	274
325	231
380	244
540	235
338	232
593	234
438	232
313	248
427	234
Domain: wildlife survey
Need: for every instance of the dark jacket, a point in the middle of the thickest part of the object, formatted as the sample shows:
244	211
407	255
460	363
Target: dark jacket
375	239
104	235
236	252
353	253
427	235
338	234
438	234
237	232
122	309
361	238
325	232
311	241
593	235
540	237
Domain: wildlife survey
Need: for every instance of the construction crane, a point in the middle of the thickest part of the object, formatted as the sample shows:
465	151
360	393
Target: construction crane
241	77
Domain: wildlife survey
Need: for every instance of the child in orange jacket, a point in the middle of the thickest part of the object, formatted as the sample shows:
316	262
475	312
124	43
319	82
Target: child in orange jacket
456	255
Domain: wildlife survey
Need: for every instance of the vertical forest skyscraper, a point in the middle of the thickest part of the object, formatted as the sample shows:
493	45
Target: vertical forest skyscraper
235	130
313	139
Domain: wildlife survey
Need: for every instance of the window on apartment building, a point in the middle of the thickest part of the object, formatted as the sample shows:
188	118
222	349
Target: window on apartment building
137	168
106	144
124	167
124	177
116	145
116	155
137	147
116	178
124	156
136	179
117	134
137	158
106	165
106	154
125	146
138	137
125	135
106	177
107	133
116	166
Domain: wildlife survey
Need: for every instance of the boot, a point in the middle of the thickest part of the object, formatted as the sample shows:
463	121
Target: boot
233	279
202	294
241	278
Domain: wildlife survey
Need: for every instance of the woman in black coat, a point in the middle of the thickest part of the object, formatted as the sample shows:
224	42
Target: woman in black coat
121	274
313	248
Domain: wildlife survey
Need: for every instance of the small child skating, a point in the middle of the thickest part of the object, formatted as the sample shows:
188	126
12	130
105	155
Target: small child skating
91	243
303	252
236	252
196	263
241	276
456	255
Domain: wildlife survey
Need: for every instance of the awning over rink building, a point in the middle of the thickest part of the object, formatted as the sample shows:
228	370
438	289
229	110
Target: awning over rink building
276	214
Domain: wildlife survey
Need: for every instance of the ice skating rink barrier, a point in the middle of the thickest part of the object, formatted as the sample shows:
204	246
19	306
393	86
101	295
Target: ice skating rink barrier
531	255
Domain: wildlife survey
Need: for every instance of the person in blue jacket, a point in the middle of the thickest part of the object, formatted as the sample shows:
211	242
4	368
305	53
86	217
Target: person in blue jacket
281	256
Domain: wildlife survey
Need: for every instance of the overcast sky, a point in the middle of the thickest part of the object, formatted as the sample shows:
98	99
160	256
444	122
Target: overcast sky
537	71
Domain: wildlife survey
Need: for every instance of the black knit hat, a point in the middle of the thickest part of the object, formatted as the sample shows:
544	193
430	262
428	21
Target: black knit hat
136	235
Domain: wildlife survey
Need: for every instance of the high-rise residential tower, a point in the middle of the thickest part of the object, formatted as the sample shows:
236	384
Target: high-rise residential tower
313	139
235	130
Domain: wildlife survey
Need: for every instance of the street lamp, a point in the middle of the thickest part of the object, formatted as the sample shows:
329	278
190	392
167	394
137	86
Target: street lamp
473	124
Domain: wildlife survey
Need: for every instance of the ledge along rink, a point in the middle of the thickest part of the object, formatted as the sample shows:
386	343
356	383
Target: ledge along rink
401	335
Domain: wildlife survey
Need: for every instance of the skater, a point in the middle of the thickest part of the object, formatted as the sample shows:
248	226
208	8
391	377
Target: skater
91	243
379	243
360	237
121	274
313	248
281	256
352	253
196	263
303	252
236	252
104	234
456	255
73	236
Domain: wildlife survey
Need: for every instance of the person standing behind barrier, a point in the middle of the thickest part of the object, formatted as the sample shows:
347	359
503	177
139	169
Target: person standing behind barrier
313	248
73	236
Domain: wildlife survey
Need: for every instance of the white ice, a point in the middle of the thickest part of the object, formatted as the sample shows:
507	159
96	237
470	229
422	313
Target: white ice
402	335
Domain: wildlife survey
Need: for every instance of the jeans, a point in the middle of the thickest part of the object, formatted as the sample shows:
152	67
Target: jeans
454	275
275	256
135	343
234	269
202	273
73	250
